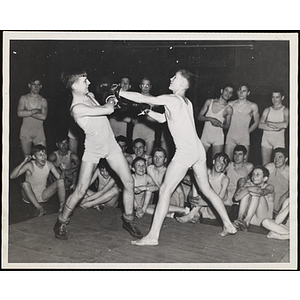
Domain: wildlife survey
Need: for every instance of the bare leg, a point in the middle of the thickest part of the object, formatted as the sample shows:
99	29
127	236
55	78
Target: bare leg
229	150
217	149
110	197
173	176
26	147
149	147
119	164
73	145
252	208
266	155
56	186
200	174
29	195
85	175
274	227
243	207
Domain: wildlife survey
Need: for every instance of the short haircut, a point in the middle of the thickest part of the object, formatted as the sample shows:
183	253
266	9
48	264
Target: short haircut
139	140
33	79
146	78
159	149
244	84
190	77
122	138
281	150
265	171
68	78
227	84
240	148
278	90
138	159
223	155
61	137
38	148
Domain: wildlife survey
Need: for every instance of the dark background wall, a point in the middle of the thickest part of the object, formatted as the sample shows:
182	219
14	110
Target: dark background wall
261	64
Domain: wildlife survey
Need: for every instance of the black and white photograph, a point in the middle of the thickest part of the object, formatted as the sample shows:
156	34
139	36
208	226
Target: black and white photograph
150	150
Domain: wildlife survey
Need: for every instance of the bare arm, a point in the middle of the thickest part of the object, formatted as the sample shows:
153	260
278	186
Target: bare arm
82	110
23	112
105	189
255	115
224	186
227	114
42	115
241	190
24	166
263	121
160	118
203	118
54	171
284	124
139	98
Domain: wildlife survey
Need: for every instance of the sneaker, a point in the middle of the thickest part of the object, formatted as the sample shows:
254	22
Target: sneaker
132	229
60	230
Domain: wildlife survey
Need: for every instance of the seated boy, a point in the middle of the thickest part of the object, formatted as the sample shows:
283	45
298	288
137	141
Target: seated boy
64	158
201	207
256	198
144	186
280	227
34	188
139	149
107	191
157	171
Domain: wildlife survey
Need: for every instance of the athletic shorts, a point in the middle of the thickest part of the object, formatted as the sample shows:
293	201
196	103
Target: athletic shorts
35	136
272	140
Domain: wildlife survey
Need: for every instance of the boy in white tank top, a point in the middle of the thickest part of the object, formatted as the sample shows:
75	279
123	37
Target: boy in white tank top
273	122
216	113
34	188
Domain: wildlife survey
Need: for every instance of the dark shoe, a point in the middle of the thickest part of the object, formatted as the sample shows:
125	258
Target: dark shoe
60	230
132	229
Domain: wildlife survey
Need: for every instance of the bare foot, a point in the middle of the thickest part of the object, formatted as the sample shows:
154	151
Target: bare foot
227	230
145	241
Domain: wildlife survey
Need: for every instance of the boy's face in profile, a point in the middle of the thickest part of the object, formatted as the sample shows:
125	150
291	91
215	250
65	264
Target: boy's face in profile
104	173
139	149
219	165
140	168
40	157
257	177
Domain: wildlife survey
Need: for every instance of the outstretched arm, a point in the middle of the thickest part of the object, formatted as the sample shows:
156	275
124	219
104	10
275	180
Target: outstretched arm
139	98
161	118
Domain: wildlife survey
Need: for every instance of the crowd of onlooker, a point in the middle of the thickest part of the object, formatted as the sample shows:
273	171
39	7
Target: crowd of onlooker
256	195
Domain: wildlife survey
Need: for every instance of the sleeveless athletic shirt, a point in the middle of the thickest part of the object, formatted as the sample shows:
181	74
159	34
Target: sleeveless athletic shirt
65	159
275	116
38	180
239	126
208	127
31	124
182	127
99	137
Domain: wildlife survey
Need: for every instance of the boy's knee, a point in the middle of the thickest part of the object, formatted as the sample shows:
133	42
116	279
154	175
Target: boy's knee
265	222
128	183
25	185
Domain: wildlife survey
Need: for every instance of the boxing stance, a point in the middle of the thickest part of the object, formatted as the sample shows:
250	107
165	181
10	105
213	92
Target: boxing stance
189	151
99	143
